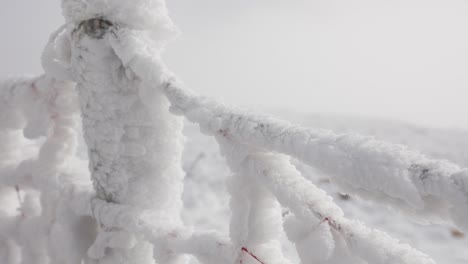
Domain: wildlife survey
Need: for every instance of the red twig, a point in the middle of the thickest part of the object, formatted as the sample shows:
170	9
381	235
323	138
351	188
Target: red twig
252	255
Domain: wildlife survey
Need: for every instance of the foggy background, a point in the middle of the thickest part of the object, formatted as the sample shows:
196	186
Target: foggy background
399	59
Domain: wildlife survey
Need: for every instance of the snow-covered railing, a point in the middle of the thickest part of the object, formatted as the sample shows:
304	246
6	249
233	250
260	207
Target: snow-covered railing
106	62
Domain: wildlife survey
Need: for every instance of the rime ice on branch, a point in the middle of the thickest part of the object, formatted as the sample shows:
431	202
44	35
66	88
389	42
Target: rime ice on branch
348	159
433	190
134	143
44	184
111	50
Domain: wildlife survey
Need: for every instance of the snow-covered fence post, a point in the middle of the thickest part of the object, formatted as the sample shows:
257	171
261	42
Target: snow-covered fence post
134	143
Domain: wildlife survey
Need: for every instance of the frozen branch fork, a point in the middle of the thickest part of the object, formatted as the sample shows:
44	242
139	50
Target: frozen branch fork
104	64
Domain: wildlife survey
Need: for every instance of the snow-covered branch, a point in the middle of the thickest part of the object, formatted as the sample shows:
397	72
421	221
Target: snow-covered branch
105	63
49	194
380	171
312	209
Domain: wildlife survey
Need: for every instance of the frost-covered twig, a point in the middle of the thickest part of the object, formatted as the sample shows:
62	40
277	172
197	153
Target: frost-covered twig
313	206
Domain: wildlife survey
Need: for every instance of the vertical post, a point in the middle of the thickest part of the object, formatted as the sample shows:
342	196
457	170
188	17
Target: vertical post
134	143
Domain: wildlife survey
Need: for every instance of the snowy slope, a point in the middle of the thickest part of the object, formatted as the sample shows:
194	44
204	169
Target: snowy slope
206	198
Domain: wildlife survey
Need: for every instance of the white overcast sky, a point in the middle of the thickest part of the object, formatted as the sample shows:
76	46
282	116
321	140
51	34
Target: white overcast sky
402	59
